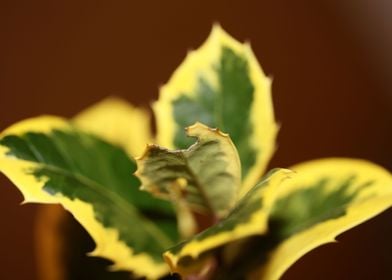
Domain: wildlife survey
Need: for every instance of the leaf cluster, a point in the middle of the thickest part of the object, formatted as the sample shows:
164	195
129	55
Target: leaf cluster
196	203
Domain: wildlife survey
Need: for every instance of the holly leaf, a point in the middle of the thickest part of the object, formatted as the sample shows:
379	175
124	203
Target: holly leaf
221	85
118	122
52	162
326	198
207	174
248	218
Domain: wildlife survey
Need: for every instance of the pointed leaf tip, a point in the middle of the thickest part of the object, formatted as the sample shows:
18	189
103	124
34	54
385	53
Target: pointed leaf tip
221	85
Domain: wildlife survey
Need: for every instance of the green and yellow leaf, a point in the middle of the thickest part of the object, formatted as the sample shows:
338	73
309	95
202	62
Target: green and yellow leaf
52	162
324	199
221	85
248	218
207	174
118	122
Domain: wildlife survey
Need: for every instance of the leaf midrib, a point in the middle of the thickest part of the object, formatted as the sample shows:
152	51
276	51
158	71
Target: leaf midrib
200	187
100	189
116	200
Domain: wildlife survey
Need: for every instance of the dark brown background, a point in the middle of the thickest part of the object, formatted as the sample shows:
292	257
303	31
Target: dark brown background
331	63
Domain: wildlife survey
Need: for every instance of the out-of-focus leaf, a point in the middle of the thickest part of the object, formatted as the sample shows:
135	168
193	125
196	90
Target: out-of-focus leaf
118	122
51	162
325	198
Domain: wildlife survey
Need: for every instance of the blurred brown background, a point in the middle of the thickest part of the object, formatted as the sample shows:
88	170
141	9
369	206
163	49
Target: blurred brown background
331	63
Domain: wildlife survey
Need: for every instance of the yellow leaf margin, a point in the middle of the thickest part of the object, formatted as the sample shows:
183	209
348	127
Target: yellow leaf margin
118	122
108	244
185	79
203	134
257	224
370	202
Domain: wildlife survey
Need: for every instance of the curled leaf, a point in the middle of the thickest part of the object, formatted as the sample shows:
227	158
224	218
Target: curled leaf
208	174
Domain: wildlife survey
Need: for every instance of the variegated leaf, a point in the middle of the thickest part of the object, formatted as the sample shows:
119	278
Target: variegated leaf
207	174
248	218
325	198
221	85
118	122
51	162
